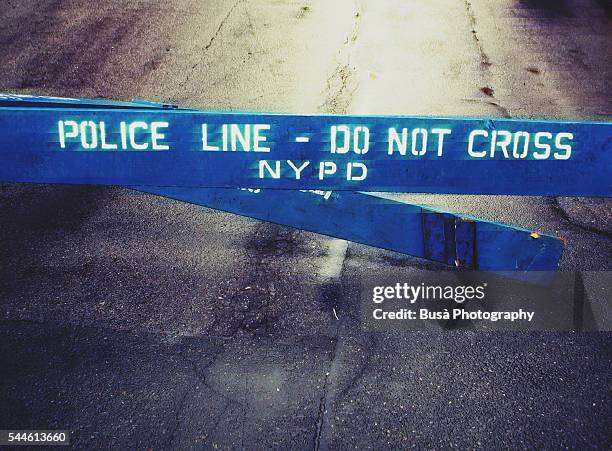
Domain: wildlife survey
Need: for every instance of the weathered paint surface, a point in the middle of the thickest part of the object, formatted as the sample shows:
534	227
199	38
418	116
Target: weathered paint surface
415	230
577	160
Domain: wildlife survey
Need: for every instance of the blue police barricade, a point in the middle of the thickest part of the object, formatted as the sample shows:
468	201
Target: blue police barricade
148	144
56	140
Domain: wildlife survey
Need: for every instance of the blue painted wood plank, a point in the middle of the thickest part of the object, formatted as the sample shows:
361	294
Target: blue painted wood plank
389	224
156	146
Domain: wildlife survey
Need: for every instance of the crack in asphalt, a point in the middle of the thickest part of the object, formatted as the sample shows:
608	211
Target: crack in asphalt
177	420
201	378
358	375
341	85
558	208
485	61
332	294
222	23
324	401
211	41
215	425
244	409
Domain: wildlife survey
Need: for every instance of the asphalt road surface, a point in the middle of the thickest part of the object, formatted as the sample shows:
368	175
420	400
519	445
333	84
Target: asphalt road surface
137	322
